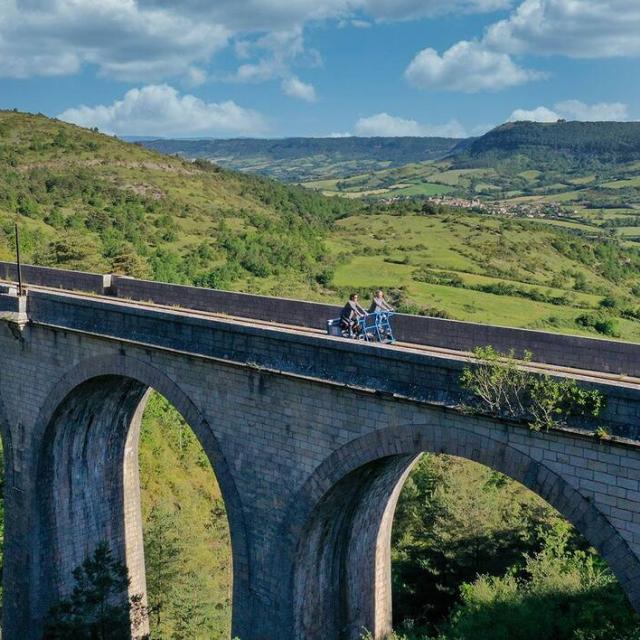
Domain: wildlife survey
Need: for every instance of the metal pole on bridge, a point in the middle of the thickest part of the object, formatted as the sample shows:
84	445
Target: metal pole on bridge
18	265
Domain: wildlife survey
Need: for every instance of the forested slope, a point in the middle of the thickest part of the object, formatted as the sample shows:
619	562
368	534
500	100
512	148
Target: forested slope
86	200
580	142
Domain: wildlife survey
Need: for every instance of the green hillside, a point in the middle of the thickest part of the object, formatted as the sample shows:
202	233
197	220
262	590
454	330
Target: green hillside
86	200
579	142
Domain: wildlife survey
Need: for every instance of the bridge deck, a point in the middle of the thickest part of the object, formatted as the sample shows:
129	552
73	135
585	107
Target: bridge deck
452	338
400	346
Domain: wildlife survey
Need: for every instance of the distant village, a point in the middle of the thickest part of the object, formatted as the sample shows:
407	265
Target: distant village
505	208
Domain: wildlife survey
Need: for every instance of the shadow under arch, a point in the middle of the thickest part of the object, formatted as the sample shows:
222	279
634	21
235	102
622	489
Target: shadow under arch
87	475
340	524
7	524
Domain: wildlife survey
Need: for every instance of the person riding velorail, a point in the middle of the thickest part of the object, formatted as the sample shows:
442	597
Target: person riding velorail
350	314
379	303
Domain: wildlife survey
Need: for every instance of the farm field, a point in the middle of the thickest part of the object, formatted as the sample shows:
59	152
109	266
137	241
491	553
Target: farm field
589	203
479	269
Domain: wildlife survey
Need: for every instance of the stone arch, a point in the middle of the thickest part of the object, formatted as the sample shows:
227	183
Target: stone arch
87	476
340	523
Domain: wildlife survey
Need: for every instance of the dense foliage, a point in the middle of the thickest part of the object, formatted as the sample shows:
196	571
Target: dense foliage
479	557
584	142
502	386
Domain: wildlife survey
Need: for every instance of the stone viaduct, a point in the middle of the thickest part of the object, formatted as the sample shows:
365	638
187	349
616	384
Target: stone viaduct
311	438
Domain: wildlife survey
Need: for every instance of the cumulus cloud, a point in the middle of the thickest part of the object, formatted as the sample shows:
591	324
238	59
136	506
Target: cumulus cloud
125	39
466	66
575	28
385	125
149	40
574	110
160	110
415	9
539	114
295	88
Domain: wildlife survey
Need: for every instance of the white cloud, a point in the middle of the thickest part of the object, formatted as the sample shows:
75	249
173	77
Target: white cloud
295	88
150	40
415	9
574	110
385	125
160	110
124	38
338	134
539	114
466	66
575	28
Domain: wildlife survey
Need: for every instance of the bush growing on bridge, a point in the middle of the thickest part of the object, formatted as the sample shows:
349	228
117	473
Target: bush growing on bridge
502	386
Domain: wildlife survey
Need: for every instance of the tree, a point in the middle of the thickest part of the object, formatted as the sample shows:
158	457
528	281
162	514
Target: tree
163	561
455	520
72	251
561	592
126	261
188	609
99	607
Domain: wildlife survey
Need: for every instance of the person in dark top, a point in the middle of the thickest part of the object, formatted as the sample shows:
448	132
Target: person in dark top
350	314
379	304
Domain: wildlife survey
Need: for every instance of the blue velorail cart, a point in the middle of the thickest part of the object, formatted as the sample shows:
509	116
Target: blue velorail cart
374	327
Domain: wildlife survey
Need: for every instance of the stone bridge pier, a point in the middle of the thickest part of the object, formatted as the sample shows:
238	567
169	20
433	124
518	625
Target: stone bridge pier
311	439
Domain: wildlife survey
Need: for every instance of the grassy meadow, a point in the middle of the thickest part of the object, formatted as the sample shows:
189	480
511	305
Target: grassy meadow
478	268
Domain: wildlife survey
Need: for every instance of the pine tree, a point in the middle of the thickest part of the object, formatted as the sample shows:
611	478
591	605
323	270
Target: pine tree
99	607
163	561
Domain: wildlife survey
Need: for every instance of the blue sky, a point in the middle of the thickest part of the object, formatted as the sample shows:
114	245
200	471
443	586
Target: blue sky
277	68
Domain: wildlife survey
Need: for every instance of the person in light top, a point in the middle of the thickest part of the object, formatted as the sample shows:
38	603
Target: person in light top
379	304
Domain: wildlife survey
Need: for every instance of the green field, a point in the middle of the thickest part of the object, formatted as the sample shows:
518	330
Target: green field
393	251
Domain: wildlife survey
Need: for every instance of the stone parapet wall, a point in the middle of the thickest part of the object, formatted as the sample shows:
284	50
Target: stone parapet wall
55	278
551	348
243	305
